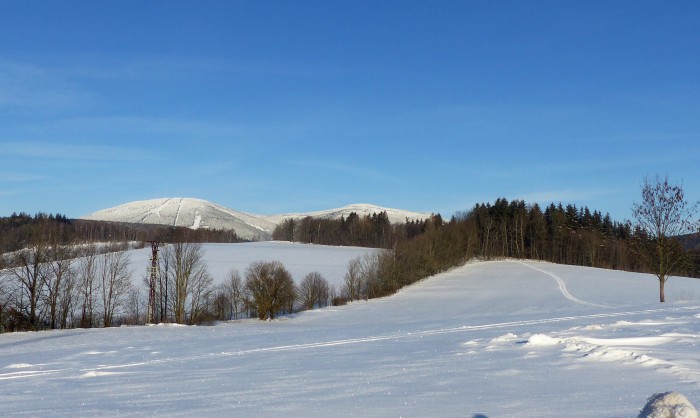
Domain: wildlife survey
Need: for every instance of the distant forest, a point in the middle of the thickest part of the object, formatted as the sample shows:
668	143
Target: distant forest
559	234
23	230
421	248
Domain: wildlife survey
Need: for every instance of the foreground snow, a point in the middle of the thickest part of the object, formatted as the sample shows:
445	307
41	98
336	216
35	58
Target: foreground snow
494	338
668	405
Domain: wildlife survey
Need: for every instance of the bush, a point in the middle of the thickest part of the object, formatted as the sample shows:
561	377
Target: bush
271	287
313	291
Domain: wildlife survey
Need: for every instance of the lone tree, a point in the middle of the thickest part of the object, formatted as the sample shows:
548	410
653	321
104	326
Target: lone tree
662	216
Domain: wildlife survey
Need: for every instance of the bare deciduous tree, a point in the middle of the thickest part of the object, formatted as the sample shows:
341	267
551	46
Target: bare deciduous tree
371	265
66	298
58	279
87	283
30	274
188	280
233	292
115	284
200	292
352	285
135	305
220	304
162	288
313	291
229	299
662	216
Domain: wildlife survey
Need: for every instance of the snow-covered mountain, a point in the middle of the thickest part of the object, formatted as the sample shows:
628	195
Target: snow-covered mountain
197	213
362	209
190	213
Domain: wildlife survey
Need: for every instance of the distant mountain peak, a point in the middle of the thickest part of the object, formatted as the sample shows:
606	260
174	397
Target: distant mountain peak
190	213
198	213
361	209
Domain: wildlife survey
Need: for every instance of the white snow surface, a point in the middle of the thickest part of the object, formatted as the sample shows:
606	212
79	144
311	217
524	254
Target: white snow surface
361	209
669	405
190	213
299	259
197	213
493	339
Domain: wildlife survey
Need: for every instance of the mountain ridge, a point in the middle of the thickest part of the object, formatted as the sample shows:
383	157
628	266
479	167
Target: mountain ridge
198	213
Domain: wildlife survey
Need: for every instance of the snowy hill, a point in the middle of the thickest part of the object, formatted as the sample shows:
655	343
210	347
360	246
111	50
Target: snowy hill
500	338
361	209
190	213
197	213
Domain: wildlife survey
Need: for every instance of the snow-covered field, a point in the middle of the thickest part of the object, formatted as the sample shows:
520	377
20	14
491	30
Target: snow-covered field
299	259
493	339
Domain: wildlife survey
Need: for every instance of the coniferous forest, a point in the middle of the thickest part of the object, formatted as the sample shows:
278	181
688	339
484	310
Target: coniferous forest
421	248
22	230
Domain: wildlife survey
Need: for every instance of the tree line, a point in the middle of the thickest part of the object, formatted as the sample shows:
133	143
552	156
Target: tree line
562	234
421	248
53	286
185	292
20	230
557	233
373	230
57	272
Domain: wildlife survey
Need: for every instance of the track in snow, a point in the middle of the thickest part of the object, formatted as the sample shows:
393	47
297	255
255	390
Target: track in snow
335	343
562	287
452	330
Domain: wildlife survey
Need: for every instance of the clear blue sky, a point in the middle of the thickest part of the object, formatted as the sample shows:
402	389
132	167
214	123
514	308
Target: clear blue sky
289	106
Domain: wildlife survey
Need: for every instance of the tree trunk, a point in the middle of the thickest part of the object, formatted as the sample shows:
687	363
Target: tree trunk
662	296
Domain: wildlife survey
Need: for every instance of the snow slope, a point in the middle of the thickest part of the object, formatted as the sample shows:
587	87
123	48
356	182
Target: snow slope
197	213
190	213
361	209
489	339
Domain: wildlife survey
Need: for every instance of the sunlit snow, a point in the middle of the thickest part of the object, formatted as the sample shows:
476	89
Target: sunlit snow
197	213
299	259
494	339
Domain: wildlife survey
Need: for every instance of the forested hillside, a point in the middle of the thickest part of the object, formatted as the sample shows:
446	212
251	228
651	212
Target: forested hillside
559	234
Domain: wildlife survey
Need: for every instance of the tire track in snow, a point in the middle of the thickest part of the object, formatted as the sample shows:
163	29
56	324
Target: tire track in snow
71	373
562	287
27	373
